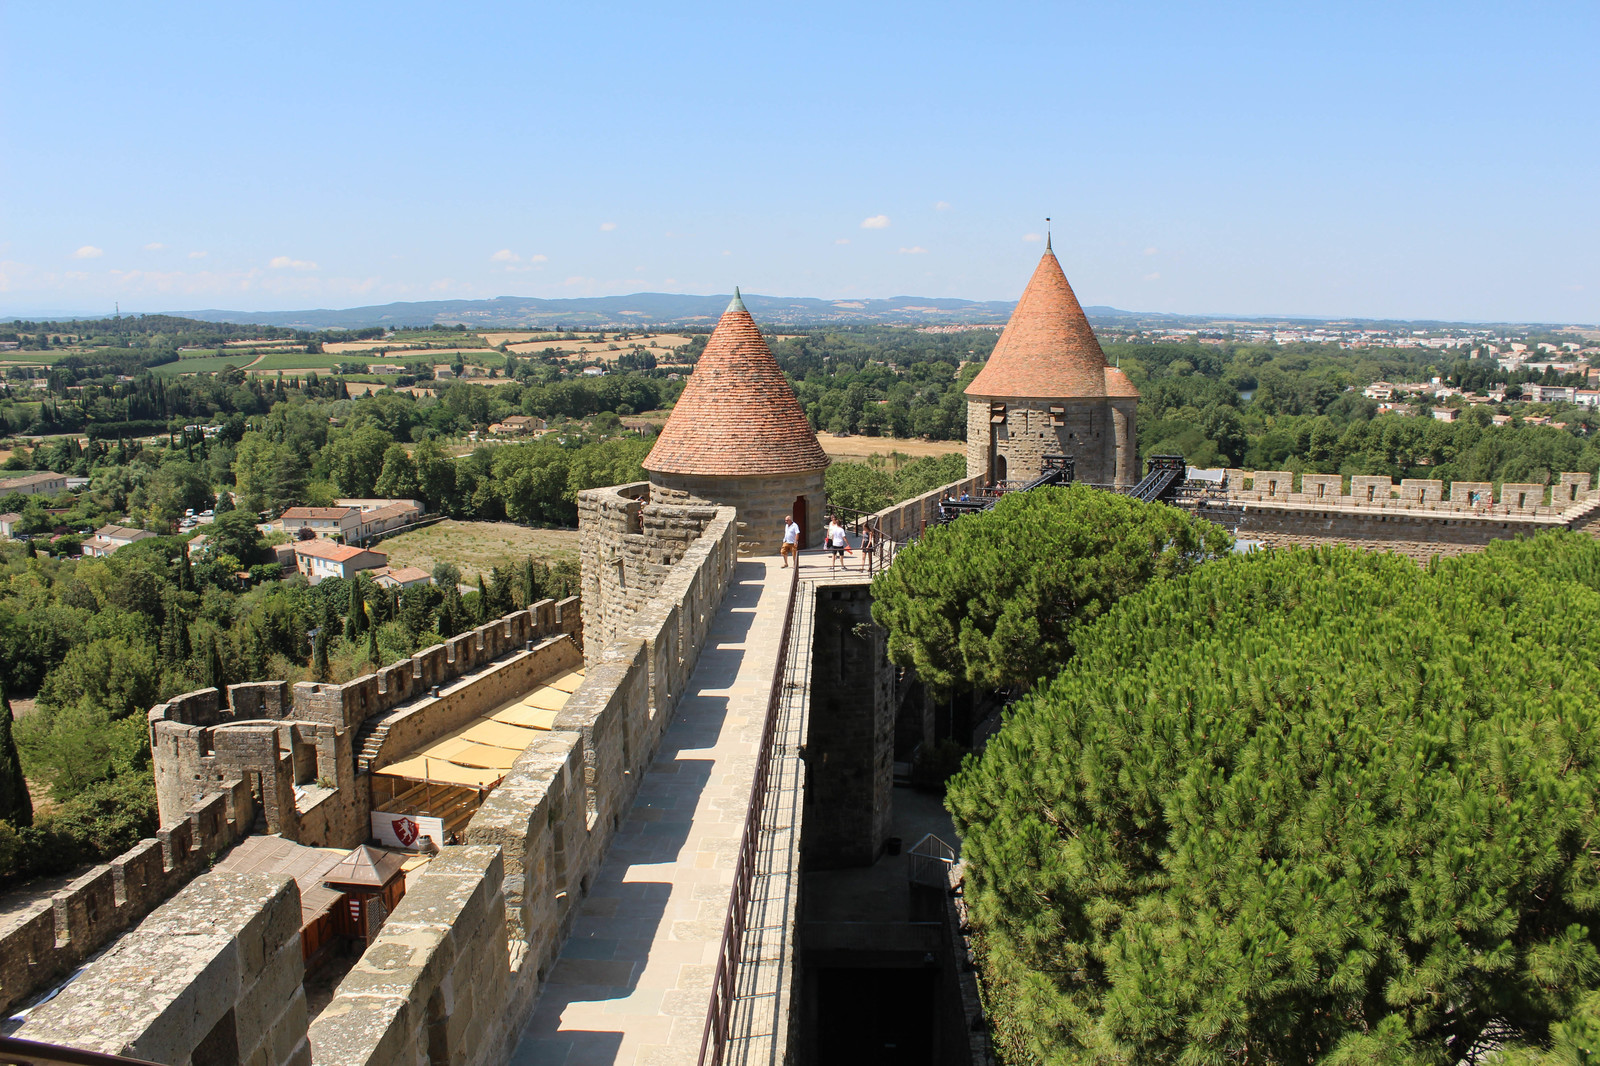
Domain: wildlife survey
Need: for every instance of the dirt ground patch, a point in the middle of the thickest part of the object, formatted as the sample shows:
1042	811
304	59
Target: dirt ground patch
476	547
861	447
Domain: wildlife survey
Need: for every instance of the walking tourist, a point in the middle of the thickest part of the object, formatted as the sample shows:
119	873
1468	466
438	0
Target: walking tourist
791	541
837	543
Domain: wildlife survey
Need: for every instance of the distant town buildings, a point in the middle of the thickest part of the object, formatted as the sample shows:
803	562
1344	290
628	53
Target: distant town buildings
40	484
109	538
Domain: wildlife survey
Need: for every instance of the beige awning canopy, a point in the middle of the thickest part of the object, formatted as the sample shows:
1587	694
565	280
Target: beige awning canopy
479	754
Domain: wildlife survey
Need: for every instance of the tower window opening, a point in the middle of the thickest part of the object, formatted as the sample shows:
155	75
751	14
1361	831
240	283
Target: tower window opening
997	414
1058	415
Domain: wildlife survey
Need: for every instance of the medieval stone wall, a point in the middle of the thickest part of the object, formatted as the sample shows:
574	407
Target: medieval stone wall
300	748
907	519
458	965
850	731
431	987
1417	517
55	935
213	976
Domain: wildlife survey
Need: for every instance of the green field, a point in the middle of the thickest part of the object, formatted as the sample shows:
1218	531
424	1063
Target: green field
46	358
475	547
210	364
297	361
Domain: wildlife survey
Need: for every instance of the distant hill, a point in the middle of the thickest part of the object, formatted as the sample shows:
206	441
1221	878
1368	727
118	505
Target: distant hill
639	309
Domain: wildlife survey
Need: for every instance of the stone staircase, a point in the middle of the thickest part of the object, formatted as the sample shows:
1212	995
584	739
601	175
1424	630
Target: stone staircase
369	741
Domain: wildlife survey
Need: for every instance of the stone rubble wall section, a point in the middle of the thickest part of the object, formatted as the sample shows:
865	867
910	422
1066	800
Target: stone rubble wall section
459	964
55	935
214	975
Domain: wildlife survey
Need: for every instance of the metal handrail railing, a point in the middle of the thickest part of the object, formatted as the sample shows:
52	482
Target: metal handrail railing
719	1011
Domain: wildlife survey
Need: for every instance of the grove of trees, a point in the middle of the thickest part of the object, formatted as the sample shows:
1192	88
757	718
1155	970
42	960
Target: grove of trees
1307	806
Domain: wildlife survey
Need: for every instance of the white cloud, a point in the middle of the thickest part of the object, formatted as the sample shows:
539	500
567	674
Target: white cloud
506	255
442	285
538	259
842	240
1150	251
875	222
283	262
607	227
727	251
1033	236
155	246
914	250
197	255
942	205
88	251
1152	277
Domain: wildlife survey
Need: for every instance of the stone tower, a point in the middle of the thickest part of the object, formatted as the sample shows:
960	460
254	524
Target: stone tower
1046	390
738	438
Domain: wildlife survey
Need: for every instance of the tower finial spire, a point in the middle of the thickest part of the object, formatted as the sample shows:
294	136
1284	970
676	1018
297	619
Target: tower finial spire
735	304
1047	235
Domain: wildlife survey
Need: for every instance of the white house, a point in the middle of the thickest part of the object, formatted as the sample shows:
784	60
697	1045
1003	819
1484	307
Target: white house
318	559
108	539
341	522
402	578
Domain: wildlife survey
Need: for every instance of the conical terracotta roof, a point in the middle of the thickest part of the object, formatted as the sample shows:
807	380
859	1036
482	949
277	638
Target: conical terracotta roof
737	416
1047	350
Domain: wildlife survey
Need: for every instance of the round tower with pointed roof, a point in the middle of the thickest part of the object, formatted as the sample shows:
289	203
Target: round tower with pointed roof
1047	390
738	438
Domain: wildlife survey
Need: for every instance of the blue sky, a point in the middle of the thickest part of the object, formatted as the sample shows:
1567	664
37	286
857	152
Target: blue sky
1405	160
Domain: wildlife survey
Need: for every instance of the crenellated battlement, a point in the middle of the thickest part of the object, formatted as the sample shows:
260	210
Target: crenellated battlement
56	935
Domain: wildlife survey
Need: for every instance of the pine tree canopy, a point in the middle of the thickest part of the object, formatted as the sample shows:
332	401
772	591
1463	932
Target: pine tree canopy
994	599
1303	807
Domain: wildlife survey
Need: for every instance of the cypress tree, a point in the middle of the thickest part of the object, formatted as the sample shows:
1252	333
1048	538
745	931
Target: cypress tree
319	656
16	806
372	648
530	587
352	614
483	601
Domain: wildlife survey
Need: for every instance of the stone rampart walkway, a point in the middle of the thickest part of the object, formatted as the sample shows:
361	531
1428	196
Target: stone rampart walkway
633	980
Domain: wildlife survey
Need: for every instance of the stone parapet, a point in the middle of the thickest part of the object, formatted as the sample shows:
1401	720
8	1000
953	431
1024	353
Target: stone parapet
1570	496
431	986
58	933
214	975
906	520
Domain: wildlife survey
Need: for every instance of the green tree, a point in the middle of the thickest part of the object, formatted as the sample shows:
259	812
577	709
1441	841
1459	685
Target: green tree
995	599
398	479
1311	807
858	487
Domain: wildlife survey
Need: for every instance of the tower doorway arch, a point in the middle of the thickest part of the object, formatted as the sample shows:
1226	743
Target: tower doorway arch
798	511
